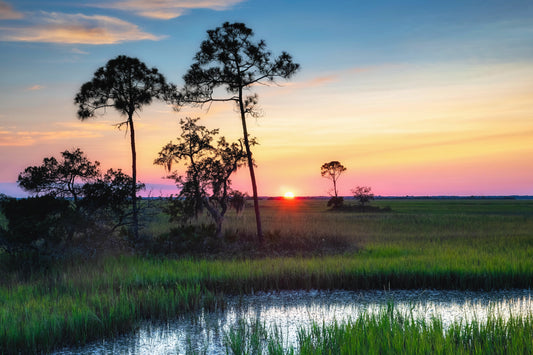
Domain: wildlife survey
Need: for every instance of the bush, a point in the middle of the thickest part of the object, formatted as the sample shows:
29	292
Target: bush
106	202
363	194
336	202
37	223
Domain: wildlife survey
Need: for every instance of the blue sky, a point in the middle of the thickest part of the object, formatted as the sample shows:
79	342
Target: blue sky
414	97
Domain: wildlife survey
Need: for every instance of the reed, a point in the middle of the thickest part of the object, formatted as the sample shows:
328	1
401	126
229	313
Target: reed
35	320
388	332
421	244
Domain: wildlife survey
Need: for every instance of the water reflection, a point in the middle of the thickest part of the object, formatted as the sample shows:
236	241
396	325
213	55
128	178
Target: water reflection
291	310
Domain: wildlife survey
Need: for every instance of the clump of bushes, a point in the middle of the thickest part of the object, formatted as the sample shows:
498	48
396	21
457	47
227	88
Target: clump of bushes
363	194
336	202
72	207
36	225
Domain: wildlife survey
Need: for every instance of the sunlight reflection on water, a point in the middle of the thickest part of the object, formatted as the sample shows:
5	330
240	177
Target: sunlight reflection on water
291	310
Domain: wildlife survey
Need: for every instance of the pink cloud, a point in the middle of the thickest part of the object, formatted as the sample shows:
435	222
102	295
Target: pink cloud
55	27
7	12
334	77
14	138
35	87
166	9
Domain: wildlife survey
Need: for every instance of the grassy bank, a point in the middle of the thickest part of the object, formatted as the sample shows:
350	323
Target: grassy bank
388	333
466	244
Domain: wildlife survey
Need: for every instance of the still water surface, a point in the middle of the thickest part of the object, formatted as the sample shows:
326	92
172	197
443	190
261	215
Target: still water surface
291	310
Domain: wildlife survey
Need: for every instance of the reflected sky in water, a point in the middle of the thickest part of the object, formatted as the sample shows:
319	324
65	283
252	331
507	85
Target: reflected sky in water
291	310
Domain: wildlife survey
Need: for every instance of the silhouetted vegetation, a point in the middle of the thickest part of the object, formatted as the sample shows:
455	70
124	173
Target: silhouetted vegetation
363	194
106	201
36	225
333	171
73	206
229	58
127	85
60	178
335	202
206	183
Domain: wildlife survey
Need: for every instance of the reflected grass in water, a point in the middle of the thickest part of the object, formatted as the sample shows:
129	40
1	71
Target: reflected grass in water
389	333
280	318
35	320
72	305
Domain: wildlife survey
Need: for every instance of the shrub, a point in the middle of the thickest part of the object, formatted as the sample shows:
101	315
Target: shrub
363	194
336	202
37	223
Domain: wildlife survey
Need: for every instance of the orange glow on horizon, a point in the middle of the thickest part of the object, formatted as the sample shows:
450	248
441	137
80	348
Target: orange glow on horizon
289	195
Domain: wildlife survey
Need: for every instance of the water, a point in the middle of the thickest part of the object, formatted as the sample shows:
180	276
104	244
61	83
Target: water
291	310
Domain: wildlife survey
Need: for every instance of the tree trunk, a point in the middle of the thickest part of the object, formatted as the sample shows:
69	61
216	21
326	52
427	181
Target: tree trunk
217	217
251	167
134	179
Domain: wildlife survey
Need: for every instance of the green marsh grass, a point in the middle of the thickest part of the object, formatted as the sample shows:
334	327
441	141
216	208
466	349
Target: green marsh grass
439	244
388	332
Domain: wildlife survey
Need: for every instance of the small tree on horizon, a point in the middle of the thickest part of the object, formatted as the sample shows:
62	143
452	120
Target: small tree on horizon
127	85
332	171
229	58
363	194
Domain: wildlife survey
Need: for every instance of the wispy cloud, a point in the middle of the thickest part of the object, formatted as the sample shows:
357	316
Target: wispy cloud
7	12
314	82
165	9
333	77
16	138
78	51
55	27
93	126
35	87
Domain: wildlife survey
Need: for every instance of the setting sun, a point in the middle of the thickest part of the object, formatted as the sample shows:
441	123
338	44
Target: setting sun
288	194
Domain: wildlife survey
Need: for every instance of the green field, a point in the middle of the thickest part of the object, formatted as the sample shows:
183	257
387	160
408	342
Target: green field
444	244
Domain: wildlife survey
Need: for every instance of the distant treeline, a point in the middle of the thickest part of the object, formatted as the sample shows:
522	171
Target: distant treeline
509	197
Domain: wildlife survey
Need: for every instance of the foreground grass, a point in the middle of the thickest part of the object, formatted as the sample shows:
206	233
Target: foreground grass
388	333
422	244
81	303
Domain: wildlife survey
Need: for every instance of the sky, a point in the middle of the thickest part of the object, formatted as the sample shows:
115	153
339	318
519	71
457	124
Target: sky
414	98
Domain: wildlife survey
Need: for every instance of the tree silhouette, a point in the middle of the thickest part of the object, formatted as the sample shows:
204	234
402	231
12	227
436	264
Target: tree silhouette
127	85
206	183
332	171
54	179
106	201
192	146
60	178
363	194
229	58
